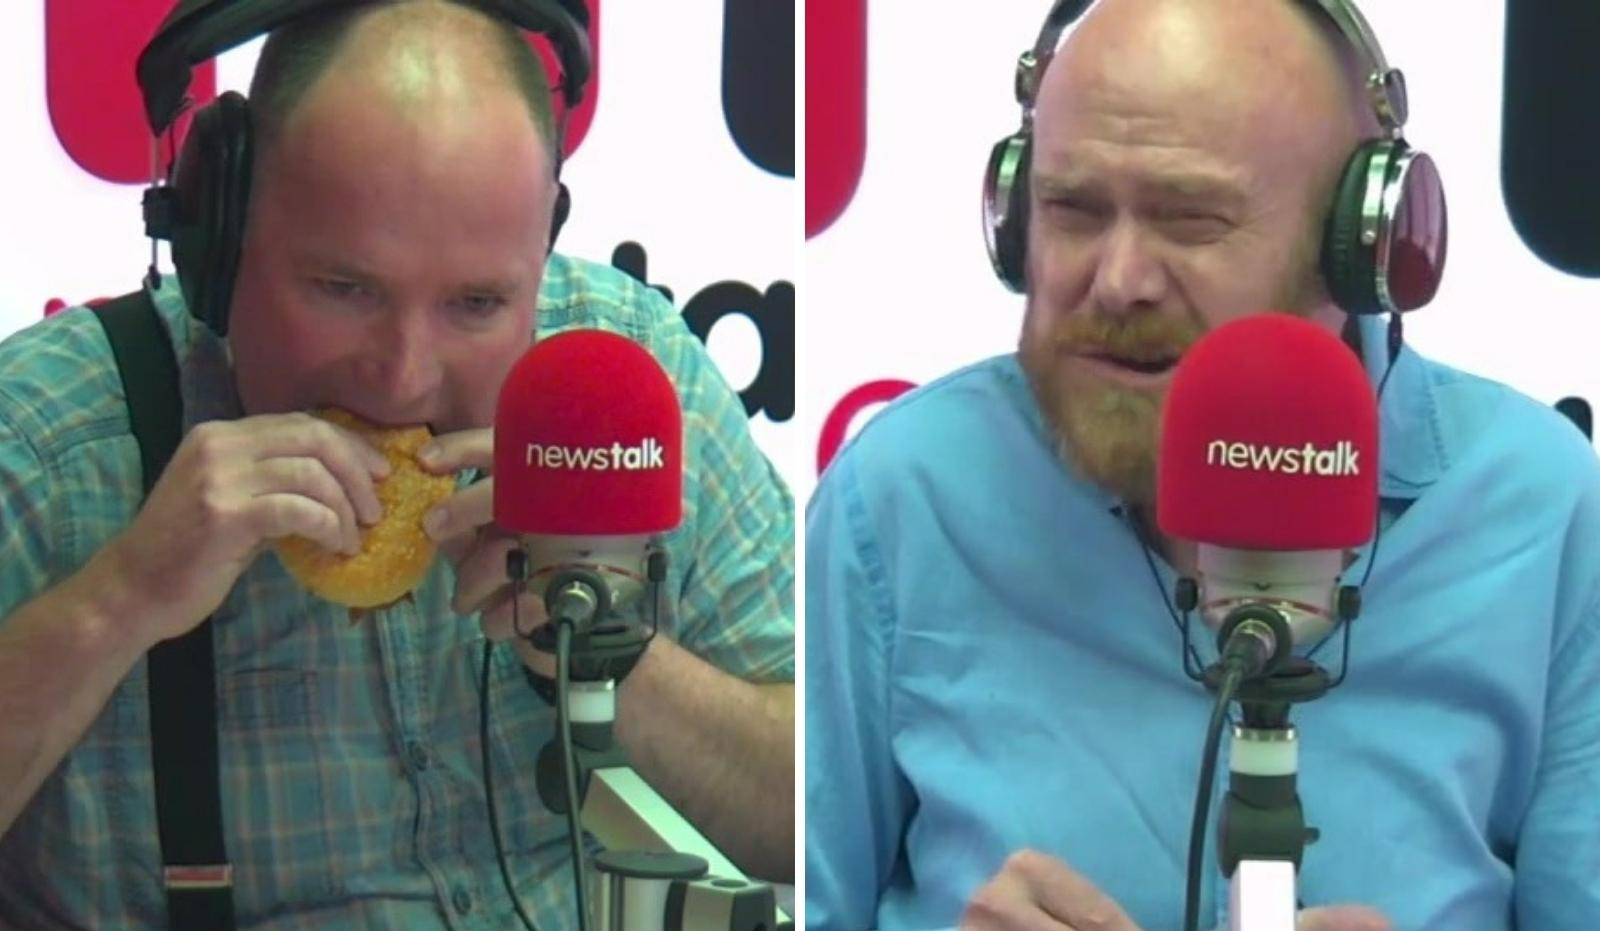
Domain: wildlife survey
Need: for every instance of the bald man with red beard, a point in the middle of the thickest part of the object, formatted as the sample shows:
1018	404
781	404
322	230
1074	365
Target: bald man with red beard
1000	733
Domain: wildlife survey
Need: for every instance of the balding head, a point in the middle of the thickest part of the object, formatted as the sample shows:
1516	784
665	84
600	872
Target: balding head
1184	158
417	57
1274	70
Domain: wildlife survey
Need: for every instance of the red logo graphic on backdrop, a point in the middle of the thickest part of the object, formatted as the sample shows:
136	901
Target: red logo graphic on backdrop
95	106
839	419
836	107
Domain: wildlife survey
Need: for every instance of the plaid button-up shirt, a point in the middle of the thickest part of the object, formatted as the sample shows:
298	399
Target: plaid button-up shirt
352	789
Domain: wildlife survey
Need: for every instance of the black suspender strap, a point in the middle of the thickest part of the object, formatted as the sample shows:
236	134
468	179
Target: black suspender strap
183	708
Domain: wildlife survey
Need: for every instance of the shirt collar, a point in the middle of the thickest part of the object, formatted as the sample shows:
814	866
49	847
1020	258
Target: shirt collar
205	361
1411	452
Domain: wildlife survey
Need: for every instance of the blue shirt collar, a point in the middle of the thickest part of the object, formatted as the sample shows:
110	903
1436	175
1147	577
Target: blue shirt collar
1410	437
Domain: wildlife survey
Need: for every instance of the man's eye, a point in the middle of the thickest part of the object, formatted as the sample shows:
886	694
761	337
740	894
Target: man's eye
339	288
1073	205
482	305
1195	227
1076	213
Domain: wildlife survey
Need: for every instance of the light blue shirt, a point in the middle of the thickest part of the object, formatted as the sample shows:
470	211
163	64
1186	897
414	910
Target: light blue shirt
990	667
352	787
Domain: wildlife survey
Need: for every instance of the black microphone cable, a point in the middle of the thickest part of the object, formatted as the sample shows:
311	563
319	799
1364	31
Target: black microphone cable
516	568
569	764
1232	675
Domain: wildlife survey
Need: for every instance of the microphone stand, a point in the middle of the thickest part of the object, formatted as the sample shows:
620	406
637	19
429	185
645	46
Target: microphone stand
655	871
1262	832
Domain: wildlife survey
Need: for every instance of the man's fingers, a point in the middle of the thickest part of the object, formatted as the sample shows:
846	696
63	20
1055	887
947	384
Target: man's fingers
1037	892
462	513
305	475
456	549
1006	904
530	615
301	434
1066	895
1343	918
272	516
500	622
481	574
349	458
464	449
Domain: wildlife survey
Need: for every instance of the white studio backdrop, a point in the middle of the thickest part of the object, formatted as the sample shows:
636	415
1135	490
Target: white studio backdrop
658	166
899	287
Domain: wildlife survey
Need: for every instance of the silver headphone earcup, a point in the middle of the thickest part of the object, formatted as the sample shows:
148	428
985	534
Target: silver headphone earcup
1005	219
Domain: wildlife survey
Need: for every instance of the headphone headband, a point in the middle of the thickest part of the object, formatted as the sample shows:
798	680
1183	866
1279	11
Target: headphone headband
1032	65
199	30
1387	86
1384	238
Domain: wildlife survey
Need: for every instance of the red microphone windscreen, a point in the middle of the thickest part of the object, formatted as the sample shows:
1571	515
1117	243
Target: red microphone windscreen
1269	440
588	440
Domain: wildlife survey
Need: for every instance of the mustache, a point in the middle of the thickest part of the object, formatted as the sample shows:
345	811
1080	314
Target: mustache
1143	339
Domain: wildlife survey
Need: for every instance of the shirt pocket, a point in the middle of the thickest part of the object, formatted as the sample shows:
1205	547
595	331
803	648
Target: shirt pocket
279	826
521	724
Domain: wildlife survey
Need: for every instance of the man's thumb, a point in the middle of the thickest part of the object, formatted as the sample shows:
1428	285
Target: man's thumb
1343	918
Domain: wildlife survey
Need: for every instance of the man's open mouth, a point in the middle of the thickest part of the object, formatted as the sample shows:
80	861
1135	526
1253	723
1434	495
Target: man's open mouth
1144	364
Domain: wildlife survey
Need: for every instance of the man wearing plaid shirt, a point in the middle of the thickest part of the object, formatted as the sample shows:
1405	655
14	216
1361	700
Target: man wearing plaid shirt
395	254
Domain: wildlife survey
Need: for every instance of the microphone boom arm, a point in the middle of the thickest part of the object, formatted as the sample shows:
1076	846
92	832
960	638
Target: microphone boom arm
656	871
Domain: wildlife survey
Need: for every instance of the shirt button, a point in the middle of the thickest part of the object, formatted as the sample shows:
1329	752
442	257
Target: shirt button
461	899
419	755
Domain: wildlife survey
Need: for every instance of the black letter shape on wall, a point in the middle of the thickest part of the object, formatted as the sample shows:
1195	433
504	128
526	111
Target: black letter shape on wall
630	257
758	81
1550	134
1579	412
772	390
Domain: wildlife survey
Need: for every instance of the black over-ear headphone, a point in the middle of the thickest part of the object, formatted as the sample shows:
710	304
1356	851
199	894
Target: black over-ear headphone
1385	235
202	208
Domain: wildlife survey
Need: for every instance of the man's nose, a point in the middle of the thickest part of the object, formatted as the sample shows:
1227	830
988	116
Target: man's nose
1129	276
408	366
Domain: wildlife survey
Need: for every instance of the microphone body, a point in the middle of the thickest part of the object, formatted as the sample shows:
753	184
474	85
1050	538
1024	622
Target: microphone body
1268	461
613	565
1299	585
588	463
